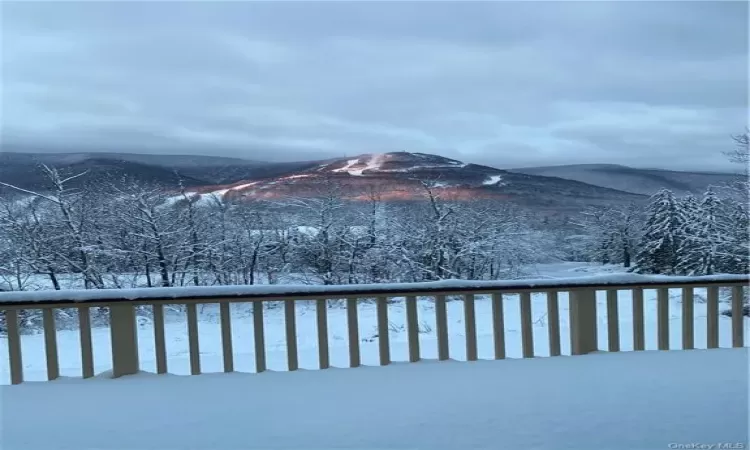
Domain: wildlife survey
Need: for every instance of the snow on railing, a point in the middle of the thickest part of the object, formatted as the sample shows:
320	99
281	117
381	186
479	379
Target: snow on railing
581	294
267	292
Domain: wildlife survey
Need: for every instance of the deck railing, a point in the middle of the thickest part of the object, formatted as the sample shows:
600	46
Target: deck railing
122	305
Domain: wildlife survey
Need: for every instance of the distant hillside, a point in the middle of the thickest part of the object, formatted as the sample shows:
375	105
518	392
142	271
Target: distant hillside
638	181
23	169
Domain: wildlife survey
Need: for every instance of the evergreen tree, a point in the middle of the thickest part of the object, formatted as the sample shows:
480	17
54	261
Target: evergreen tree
735	257
705	238
661	237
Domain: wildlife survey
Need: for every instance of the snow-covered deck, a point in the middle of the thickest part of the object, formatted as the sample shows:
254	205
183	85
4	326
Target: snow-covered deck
638	400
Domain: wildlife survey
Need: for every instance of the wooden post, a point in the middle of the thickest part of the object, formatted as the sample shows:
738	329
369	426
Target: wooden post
384	345
712	317
688	334
527	327
87	348
441	325
737	317
259	341
14	346
662	318
613	322
412	328
583	337
50	343
193	339
553	316
321	315
160	341
290	318
470	325
352	322
225	315
639	334
124	340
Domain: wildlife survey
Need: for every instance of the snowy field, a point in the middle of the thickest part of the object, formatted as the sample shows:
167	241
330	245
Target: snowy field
242	332
643	400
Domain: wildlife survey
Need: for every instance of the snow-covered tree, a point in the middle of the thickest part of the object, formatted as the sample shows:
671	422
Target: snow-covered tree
661	238
705	237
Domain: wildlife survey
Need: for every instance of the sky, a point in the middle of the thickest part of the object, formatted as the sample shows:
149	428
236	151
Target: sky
508	84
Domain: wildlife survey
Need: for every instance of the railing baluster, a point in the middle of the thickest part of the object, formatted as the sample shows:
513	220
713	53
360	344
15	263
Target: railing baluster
321	313
688	316
160	342
613	321
14	346
50	343
225	316
639	332
470	322
712	317
290	318
498	325
553	314
412	325
352	322
441	327
662	318
193	342
737	320
527	330
384	345
87	349
259	337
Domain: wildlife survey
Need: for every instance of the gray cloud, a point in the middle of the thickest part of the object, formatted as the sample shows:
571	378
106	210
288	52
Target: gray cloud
659	84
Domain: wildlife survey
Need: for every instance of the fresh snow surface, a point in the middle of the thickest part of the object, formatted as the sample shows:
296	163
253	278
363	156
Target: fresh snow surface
492	180
373	163
644	400
347	167
207	195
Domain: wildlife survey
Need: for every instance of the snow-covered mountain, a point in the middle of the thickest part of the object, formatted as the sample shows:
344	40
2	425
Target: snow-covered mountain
406	176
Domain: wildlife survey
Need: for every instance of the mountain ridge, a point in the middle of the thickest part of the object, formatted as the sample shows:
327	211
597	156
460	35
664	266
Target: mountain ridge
640	181
394	175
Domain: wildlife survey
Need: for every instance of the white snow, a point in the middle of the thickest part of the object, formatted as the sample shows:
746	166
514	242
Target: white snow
373	162
205	197
243	186
605	280
645	400
347	167
493	180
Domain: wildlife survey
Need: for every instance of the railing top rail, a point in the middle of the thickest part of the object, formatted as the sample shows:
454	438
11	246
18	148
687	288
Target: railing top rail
301	292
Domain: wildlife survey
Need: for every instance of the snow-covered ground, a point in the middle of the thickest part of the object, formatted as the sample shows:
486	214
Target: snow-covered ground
242	332
644	400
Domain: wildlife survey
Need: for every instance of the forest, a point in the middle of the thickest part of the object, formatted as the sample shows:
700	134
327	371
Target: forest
135	235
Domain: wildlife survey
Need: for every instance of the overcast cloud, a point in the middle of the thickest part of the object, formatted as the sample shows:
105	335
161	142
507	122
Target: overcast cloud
510	84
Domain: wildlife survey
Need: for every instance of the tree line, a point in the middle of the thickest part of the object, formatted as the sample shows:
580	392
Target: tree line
138	235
